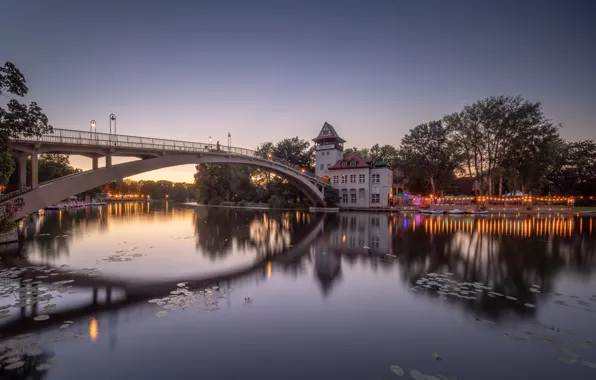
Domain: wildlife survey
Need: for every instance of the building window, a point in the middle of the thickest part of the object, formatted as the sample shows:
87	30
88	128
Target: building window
344	178
353	197
352	178
335	179
352	163
375	222
361	178
344	196
322	166
328	166
375	242
344	164
375	198
376	178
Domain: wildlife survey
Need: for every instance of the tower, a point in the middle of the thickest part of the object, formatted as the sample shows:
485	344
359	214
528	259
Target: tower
329	148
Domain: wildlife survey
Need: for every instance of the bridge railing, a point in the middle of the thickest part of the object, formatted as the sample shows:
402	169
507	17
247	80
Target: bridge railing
82	138
15	193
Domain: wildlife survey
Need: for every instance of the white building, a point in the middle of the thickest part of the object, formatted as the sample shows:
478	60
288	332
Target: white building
362	183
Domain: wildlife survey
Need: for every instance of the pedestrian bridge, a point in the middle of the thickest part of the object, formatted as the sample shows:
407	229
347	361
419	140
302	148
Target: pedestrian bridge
153	153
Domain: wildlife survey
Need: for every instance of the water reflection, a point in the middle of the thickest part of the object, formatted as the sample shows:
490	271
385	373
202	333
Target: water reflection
489	258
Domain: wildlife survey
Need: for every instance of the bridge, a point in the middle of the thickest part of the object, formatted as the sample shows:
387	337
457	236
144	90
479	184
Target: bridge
153	154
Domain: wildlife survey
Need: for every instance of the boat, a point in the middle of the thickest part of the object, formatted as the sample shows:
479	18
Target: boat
425	211
477	212
437	212
456	211
53	207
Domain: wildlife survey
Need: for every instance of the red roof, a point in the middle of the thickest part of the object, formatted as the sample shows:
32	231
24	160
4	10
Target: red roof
352	157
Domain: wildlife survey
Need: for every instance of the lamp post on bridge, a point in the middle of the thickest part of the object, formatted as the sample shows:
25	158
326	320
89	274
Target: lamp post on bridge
92	125
113	118
210	145
229	142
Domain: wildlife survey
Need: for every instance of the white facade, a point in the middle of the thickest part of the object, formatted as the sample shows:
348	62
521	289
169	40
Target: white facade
326	157
362	187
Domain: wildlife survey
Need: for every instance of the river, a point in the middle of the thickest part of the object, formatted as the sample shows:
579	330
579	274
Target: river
150	291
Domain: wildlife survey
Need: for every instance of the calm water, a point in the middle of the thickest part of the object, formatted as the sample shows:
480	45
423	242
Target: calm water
140	291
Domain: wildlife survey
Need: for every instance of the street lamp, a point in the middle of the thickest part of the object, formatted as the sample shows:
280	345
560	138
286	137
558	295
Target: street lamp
269	155
113	118
229	141
210	145
92	125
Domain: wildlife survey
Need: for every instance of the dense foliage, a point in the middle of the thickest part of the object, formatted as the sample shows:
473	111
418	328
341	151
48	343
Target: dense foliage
16	118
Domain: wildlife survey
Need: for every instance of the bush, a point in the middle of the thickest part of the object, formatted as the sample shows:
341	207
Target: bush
276	201
215	201
242	203
331	197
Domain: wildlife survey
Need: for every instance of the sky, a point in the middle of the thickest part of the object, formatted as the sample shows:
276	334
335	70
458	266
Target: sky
267	70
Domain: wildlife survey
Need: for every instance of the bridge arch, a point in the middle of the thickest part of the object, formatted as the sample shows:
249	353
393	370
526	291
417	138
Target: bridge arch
57	190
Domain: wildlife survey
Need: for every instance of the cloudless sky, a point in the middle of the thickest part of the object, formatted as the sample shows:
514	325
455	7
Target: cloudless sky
266	70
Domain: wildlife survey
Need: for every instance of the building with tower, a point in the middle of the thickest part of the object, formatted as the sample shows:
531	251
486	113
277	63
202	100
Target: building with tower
329	149
362	182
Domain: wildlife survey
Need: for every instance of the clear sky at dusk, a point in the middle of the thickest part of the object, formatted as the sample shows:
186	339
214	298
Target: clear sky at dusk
266	70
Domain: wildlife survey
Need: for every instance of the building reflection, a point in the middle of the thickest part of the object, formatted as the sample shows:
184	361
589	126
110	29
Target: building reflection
509	254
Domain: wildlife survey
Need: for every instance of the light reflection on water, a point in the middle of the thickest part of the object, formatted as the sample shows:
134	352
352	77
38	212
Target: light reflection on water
345	297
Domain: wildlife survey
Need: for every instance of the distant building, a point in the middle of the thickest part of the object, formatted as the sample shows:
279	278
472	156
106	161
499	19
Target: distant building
362	183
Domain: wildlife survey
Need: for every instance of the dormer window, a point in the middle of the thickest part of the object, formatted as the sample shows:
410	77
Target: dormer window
352	163
344	164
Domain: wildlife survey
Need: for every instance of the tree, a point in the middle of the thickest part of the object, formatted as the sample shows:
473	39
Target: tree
426	155
574	171
18	119
492	134
7	166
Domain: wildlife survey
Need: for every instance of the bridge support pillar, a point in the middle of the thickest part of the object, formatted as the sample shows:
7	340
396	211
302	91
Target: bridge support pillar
34	171
22	158
95	162
108	161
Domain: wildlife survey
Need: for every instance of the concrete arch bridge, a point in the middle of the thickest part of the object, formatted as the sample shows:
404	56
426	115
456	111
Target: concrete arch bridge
153	153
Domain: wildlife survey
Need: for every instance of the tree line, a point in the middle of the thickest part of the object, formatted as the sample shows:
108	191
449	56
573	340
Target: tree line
176	191
504	144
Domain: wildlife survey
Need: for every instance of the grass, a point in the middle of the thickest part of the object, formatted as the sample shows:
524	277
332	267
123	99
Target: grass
585	208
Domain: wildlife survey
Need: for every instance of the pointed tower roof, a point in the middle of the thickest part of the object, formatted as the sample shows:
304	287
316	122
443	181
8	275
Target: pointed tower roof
328	134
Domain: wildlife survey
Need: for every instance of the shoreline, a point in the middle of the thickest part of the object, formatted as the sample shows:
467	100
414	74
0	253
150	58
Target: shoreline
406	210
249	207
